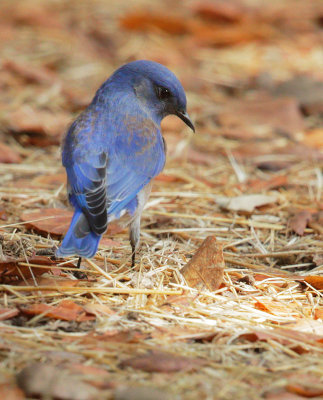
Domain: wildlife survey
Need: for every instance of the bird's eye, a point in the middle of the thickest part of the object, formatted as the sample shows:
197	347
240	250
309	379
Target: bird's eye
163	93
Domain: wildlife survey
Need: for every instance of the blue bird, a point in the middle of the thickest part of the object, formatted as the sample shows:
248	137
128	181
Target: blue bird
114	149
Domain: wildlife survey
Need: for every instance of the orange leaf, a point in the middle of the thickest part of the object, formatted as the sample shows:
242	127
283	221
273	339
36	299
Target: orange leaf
8	313
11	270
205	269
314	138
158	361
318	314
316	281
8	155
53	221
67	310
299	222
219	11
10	392
146	22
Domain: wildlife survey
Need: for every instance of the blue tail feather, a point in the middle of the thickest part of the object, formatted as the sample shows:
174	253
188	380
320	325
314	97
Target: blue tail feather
82	247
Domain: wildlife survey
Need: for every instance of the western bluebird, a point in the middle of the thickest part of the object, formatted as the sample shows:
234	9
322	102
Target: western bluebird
114	149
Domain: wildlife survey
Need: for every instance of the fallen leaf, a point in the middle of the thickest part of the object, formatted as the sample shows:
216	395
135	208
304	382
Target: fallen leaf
220	11
246	202
273	183
10	391
49	281
305	385
108	243
318	313
205	269
8	313
115	336
140	393
314	138
45	127
299	222
53	221
48	381
166	178
8	155
97	377
53	180
294	339
66	310
315	280
280	395
307	91
30	73
148	22
262	116
10	270
158	361
230	35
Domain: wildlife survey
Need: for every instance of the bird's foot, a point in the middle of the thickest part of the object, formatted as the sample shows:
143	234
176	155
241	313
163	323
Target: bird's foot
79	274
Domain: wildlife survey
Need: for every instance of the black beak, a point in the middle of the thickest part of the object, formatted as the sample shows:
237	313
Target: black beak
184	117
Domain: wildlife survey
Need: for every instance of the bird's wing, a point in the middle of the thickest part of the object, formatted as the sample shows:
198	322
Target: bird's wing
137	157
86	163
106	175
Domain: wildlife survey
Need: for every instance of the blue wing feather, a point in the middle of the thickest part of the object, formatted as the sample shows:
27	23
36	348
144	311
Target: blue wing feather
107	163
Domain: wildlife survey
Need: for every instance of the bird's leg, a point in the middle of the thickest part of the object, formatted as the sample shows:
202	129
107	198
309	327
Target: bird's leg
134	236
79	274
133	256
79	262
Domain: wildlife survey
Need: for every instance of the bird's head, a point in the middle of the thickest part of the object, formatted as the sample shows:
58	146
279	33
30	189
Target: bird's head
157	89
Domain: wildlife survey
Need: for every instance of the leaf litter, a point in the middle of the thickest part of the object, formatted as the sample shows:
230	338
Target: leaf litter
226	298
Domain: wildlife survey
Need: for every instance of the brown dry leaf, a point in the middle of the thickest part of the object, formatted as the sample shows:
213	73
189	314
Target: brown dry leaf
45	127
97	377
140	393
30	73
158	361
230	35
53	180
220	11
286	337
48	381
11	270
306	90
66	310
8	313
52	281
314	138
299	222
283	396
8	155
108	243
53	221
318	313
205	269
148	22
316	281
10	392
305	385
247	202
115	336
262	307
262	115
273	183
166	178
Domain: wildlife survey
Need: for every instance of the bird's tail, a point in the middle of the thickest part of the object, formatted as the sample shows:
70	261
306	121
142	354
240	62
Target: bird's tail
79	239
